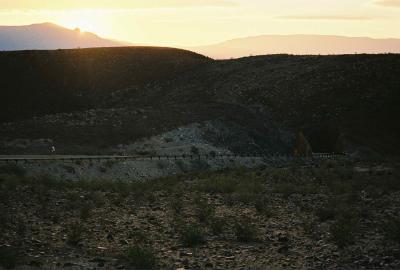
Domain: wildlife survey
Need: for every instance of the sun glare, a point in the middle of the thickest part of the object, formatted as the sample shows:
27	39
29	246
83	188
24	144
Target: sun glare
85	21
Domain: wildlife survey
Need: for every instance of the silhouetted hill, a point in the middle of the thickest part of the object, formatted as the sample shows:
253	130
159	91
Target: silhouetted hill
299	45
349	100
44	82
48	36
357	95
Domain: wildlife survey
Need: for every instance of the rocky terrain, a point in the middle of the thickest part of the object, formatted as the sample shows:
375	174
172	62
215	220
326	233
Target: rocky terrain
216	213
93	100
334	215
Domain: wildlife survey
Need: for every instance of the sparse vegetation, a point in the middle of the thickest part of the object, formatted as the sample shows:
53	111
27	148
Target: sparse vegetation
245	231
263	206
239	207
74	233
141	258
85	211
218	225
138	236
194	150
192	235
205	211
199	165
8	257
392	229
12	169
343	231
326	212
176	205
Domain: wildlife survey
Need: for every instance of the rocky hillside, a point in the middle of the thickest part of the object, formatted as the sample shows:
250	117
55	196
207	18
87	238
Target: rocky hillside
325	96
46	82
105	97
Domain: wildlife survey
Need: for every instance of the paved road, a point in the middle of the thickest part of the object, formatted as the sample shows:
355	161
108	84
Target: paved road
63	157
5	158
33	158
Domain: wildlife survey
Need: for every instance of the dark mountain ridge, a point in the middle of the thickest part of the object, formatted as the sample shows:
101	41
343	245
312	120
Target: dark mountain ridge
354	97
48	36
46	82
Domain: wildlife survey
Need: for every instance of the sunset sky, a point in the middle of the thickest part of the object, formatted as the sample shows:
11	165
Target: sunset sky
200	22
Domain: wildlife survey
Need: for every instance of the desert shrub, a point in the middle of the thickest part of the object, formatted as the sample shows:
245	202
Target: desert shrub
73	200
141	258
12	169
199	165
343	231
218	184
168	140
392	229
262	205
79	162
309	225
176	205
344	173
286	189
204	210
4	218
338	209
145	153
69	169
217	225
326	212
97	198
213	154
192	235
151	197
8	257
49	182
194	150
119	199
227	184
181	165
245	231
74	233
85	211
109	163
9	182
245	196
329	164
280	175
161	165
139	236
339	187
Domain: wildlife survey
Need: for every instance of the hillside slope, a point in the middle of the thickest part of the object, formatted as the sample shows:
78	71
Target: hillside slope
48	36
44	82
123	94
325	96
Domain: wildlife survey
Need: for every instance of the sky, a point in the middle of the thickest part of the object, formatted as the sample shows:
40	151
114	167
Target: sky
202	22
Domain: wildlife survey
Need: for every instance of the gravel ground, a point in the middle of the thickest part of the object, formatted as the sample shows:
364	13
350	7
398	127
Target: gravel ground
268	219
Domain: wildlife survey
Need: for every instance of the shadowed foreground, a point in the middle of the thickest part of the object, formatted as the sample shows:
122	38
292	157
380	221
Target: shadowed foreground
333	216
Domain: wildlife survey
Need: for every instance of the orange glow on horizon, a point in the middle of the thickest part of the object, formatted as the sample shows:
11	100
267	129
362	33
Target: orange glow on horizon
202	22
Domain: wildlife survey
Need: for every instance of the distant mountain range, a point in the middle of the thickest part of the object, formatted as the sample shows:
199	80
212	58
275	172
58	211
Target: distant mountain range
298	44
48	36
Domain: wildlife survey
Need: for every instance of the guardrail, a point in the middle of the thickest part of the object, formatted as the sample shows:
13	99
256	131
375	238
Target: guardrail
274	157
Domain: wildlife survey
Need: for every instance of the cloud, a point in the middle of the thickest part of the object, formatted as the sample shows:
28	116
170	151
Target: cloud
388	3
116	4
326	18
